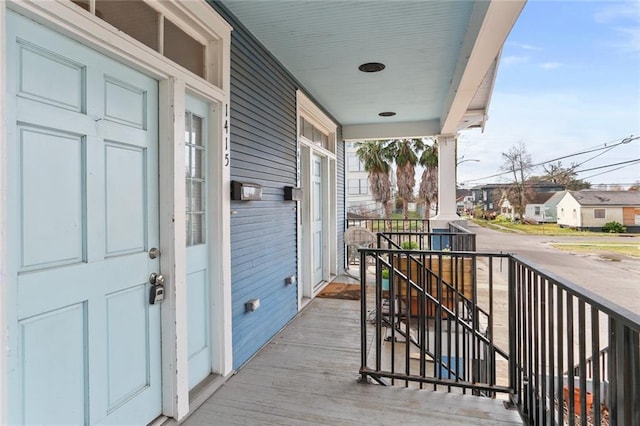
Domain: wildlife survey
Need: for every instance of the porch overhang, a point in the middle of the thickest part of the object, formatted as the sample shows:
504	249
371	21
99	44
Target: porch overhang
441	59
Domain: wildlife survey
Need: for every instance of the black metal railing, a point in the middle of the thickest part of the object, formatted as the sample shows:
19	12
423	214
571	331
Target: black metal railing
391	225
429	324
489	323
573	352
449	241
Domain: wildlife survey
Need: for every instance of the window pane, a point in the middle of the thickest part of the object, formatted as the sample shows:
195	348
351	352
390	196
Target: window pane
196	129
133	17
183	49
187	160
188	228
197	196
197	229
354	186
187	195
364	186
307	130
196	163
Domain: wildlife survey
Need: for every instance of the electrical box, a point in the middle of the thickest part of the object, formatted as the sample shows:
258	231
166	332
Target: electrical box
245	191
292	193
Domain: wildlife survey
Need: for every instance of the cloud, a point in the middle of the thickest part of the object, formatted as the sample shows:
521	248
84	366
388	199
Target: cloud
624	20
550	65
514	60
523	46
618	11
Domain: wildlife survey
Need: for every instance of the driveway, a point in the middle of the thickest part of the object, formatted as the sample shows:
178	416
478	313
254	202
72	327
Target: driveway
618	281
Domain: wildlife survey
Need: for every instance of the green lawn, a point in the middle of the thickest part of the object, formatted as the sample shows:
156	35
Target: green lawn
604	250
541	229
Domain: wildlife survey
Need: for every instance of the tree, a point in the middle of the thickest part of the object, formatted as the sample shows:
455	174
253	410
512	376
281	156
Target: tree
517	161
428	191
405	153
566	176
376	158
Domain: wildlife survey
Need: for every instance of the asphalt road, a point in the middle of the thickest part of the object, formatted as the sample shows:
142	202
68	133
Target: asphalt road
617	281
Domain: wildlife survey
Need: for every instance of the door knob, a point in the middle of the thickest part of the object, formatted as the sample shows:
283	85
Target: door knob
154	253
156	279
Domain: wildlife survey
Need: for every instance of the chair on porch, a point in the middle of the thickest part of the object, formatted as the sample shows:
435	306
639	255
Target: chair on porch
356	237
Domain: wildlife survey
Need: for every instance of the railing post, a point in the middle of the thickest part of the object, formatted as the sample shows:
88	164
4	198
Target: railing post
624	374
511	295
363	317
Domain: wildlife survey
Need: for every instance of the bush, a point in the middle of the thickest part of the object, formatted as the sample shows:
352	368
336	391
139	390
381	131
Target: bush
385	273
409	245
614	227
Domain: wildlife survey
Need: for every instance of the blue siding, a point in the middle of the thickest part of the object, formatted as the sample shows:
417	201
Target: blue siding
263	145
263	233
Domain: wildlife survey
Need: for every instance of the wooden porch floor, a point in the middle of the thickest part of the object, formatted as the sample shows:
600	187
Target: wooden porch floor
308	376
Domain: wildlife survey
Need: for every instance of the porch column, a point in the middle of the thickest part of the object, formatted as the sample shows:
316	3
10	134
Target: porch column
446	183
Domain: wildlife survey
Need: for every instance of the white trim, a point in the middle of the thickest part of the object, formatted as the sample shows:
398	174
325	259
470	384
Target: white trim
488	28
175	380
307	149
68	19
220	243
4	339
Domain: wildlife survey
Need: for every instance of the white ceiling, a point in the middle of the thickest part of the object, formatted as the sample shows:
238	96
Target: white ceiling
427	47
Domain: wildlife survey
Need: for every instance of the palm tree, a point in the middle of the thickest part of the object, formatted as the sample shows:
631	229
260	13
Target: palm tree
405	152
429	183
376	158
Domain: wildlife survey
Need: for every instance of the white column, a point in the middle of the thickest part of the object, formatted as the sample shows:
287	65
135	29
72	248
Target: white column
446	182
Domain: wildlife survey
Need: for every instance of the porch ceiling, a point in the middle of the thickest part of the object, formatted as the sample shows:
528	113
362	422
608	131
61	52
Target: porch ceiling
440	57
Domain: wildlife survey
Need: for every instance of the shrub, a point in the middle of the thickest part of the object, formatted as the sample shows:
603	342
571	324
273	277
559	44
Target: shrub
385	273
614	227
409	245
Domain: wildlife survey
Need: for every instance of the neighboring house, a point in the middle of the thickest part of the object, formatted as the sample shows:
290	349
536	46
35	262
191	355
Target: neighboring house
464	201
358	197
590	210
203	142
507	210
490	197
536	207
551	207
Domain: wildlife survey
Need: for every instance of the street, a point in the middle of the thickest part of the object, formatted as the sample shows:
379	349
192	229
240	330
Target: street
617	281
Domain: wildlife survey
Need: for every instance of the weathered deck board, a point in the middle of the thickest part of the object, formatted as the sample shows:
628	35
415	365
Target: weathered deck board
307	376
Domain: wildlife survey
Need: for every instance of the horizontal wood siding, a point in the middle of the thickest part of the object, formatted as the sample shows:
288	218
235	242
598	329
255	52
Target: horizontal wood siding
263	151
341	208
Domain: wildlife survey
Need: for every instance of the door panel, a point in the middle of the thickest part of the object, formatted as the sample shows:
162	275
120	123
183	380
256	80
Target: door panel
83	156
198	284
317	222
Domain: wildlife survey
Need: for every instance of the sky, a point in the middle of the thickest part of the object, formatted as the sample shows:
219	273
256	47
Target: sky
568	81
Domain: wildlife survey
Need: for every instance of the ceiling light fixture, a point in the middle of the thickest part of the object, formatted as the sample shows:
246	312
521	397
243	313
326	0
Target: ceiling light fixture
371	67
387	114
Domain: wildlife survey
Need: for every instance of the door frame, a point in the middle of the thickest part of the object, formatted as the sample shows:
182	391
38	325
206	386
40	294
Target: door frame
308	110
195	17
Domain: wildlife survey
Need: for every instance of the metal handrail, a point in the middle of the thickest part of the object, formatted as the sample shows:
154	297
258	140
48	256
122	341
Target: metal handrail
560	339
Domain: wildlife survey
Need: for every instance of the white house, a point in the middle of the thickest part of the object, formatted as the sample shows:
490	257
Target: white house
589	209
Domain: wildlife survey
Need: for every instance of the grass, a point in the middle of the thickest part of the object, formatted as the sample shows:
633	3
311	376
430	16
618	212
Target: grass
605	250
541	229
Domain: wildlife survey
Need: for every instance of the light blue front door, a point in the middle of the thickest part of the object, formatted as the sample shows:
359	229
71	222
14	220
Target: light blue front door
317	219
198	285
83	197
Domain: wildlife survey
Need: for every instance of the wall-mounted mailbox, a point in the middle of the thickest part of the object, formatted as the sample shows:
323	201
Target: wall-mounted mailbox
245	191
292	193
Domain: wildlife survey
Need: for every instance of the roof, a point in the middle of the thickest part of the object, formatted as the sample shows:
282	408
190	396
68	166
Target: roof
606	198
555	198
440	57
540	197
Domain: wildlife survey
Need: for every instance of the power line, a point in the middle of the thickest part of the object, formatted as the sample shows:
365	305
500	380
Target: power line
610	165
608	171
605	147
